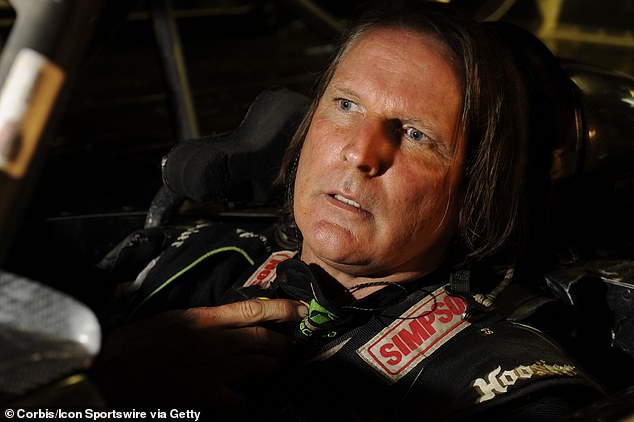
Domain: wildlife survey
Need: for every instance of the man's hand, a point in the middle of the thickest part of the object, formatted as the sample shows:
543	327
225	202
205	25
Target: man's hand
216	356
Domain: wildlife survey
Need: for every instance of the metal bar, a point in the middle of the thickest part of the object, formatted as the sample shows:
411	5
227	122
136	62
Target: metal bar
317	17
175	69
37	67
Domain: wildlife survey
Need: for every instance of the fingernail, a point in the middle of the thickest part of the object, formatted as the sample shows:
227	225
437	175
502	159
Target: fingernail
302	310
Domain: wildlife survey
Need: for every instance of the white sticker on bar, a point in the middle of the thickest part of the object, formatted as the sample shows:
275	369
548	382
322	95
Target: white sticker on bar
27	97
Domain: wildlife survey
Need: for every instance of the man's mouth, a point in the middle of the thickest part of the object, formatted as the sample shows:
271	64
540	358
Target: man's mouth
346	201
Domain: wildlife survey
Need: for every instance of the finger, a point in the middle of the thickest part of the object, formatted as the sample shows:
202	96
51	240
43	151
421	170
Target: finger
247	313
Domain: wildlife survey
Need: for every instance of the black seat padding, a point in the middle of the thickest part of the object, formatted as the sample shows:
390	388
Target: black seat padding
241	165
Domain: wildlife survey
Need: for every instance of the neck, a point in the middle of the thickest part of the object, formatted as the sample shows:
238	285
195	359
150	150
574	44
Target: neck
362	283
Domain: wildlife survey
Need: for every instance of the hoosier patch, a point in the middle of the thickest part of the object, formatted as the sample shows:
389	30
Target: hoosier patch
422	329
498	381
265	273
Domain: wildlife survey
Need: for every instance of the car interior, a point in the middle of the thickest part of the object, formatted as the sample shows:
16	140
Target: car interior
217	159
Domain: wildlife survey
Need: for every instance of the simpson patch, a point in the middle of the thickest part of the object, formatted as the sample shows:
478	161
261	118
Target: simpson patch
418	333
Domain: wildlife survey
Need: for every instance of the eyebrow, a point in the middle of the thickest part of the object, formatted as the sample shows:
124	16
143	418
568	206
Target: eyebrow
446	145
344	91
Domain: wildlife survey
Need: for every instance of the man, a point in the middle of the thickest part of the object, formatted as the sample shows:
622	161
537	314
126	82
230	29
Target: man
403	177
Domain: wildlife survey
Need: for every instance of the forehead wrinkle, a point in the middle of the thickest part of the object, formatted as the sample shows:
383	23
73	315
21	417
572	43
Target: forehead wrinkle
387	60
376	49
410	111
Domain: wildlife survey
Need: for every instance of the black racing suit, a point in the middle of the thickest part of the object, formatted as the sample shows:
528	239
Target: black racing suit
401	353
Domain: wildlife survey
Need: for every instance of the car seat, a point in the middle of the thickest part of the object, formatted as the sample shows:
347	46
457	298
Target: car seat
234	168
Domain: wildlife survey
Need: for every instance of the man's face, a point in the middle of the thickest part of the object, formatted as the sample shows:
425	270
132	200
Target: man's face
379	173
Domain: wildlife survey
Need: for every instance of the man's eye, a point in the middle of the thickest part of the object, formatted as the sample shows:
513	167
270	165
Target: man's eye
416	135
345	105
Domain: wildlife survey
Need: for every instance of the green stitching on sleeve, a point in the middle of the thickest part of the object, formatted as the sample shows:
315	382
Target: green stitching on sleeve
189	267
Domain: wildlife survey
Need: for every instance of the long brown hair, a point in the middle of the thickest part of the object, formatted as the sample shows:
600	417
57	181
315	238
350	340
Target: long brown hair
492	119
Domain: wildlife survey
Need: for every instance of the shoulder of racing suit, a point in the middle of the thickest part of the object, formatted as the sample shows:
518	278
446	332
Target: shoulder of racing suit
201	265
418	358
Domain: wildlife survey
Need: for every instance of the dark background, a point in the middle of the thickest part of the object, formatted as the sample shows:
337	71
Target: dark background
119	121
103	165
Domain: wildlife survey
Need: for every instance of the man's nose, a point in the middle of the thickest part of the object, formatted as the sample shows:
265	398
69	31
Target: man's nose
372	146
